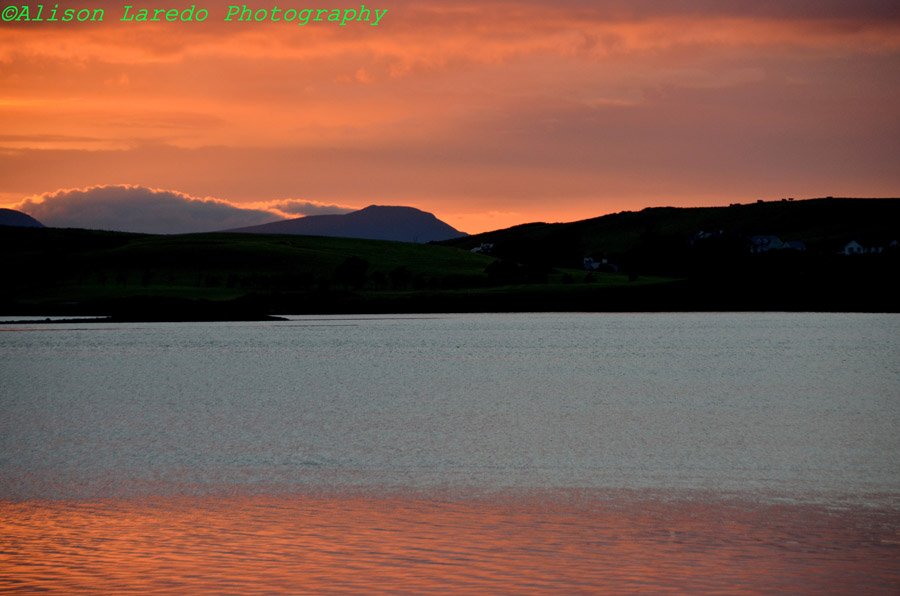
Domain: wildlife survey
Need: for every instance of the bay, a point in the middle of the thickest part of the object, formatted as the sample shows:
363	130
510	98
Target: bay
695	441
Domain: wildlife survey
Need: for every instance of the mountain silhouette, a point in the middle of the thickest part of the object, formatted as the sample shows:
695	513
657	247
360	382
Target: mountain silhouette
404	224
11	217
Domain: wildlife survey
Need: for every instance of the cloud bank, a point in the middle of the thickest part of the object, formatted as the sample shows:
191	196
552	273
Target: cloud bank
295	207
129	208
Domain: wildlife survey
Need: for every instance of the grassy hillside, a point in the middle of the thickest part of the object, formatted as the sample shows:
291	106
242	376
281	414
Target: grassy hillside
147	276
62	264
536	267
657	239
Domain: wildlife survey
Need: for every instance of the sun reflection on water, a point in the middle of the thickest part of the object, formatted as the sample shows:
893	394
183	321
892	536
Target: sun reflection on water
551	542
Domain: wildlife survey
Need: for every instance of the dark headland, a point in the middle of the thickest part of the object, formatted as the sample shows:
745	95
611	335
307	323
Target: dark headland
829	254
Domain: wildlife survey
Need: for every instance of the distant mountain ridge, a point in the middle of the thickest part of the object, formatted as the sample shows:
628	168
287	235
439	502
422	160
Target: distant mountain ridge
375	222
11	217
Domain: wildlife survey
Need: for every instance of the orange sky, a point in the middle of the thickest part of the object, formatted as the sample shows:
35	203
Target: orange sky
486	113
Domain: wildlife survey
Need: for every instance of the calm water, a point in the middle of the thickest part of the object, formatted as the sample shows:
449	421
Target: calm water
547	453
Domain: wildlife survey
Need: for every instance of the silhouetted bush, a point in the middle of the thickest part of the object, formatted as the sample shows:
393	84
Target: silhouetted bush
504	272
352	272
400	277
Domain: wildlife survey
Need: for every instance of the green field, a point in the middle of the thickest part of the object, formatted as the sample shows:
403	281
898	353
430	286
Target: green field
536	267
656	240
82	271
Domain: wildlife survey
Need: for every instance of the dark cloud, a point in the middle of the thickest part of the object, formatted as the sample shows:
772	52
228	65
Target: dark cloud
298	207
139	209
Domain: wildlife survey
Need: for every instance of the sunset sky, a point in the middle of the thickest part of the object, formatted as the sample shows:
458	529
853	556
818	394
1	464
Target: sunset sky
483	112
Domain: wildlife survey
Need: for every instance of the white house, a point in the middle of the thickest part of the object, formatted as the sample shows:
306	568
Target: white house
855	248
604	265
765	243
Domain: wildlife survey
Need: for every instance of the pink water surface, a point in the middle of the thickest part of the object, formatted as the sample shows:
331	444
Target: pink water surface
545	542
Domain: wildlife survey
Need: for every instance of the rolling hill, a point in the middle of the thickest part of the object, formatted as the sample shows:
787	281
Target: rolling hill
659	239
664	263
11	217
402	224
82	271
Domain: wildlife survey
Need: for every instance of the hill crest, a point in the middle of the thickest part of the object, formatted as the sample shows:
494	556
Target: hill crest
375	222
663	234
11	217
